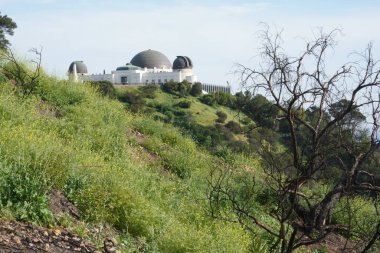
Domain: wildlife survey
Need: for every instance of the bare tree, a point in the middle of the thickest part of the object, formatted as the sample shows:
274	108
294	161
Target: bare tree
23	76
324	116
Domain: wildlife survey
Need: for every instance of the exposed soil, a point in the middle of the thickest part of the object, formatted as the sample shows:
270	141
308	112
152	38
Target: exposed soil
20	237
17	236
335	243
143	151
59	205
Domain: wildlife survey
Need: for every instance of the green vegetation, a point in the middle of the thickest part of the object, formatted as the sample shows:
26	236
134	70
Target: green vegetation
67	136
196	89
105	88
140	175
7	25
170	170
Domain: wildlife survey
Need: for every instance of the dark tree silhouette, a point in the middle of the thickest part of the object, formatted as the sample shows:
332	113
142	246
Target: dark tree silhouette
332	138
7	25
23	76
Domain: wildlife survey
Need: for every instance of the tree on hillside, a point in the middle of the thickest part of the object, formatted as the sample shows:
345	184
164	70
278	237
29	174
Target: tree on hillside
323	113
106	88
24	76
7	25
196	89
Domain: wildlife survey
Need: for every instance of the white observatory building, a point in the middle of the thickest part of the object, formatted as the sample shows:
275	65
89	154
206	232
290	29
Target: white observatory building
146	67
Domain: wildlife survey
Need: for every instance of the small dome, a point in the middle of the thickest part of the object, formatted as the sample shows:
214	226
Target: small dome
81	67
128	66
151	59
182	62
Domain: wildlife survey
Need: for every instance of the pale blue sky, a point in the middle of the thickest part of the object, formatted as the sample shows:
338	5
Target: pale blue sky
215	34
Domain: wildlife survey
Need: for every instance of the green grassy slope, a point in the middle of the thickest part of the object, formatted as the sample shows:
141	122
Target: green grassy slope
140	176
203	114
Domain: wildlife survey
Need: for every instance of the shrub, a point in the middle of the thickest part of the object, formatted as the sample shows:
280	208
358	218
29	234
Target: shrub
179	113
169	87
135	101
169	116
222	116
184	104
182	89
148	91
225	153
234	127
105	88
24	76
225	99
208	99
196	89
61	94
178	163
23	191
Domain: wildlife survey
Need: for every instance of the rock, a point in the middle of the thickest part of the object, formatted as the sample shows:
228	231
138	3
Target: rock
111	250
110	245
19	234
17	240
76	239
57	232
19	237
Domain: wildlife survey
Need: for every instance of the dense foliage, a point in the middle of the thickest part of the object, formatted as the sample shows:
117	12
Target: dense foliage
7	25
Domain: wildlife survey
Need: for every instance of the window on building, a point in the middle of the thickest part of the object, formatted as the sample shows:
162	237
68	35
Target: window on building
147	81
159	81
153	81
124	79
166	80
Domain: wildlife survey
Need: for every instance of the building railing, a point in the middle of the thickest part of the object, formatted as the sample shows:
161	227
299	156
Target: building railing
212	88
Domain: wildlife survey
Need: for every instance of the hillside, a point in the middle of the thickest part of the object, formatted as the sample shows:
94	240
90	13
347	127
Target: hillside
137	165
138	177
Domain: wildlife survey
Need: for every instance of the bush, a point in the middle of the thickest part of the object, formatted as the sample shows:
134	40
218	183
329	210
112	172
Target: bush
234	127
196	89
208	99
105	88
23	191
24	76
222	116
182	89
135	101
61	94
184	104
225	99
148	91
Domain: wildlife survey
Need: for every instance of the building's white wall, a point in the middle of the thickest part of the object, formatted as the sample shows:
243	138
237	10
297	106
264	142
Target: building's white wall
144	76
98	77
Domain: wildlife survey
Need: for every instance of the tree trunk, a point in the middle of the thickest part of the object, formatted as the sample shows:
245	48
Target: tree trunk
324	208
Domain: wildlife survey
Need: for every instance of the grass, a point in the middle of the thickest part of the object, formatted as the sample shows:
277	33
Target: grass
203	114
142	179
66	136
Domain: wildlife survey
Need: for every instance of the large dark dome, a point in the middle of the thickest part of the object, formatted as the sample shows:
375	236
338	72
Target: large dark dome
151	59
81	67
182	62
